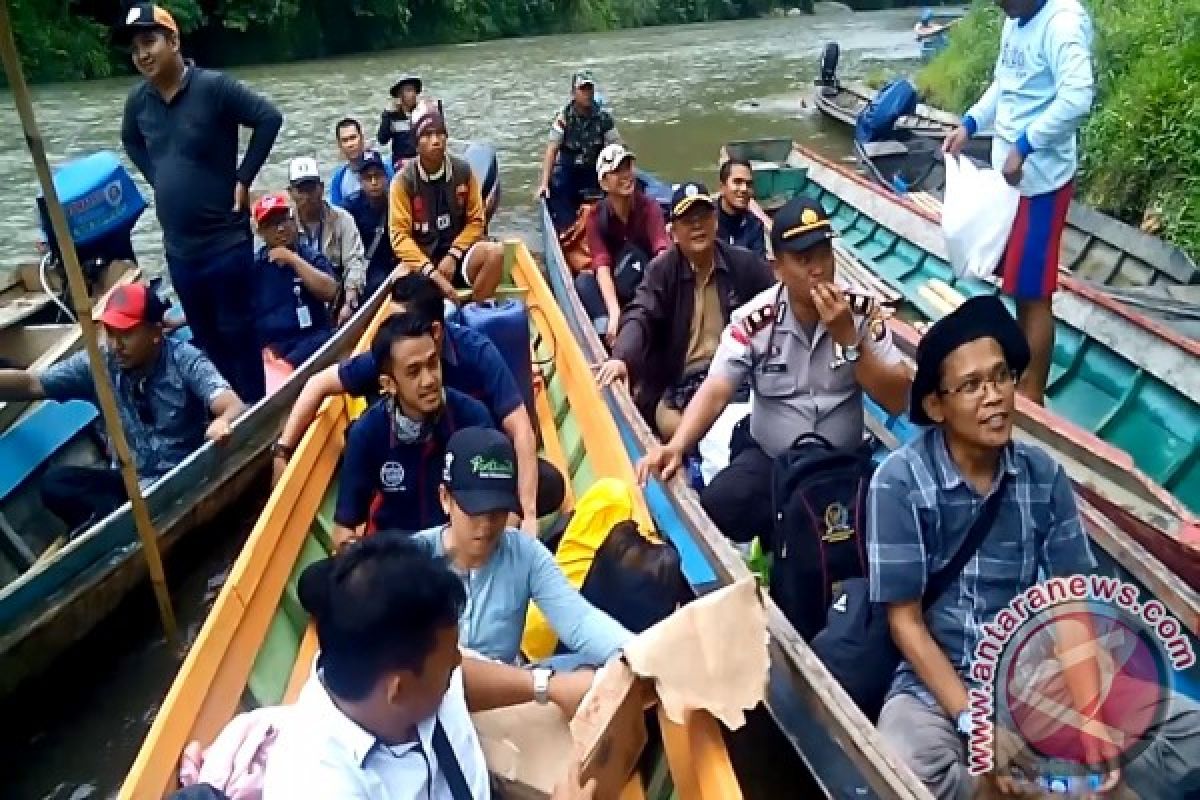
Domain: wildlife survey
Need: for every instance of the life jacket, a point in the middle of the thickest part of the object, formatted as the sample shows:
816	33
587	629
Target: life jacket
583	136
574	241
439	208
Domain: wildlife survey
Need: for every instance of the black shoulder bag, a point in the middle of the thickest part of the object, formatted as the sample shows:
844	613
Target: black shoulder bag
856	644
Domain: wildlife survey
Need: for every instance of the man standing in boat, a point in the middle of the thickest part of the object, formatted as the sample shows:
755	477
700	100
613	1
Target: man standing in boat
395	124
577	135
180	128
169	396
1040	94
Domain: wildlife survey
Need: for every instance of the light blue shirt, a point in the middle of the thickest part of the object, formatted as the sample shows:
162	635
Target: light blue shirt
498	594
1041	91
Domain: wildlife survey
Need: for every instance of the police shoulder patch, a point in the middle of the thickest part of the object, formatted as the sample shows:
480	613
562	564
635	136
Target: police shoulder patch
758	319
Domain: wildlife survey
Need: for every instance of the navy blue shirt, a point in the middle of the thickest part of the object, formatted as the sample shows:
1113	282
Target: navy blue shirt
394	486
280	295
470	363
744	230
372	225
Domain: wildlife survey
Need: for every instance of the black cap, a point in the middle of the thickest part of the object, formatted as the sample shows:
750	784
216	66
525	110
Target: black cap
481	471
981	317
687	195
415	80
799	225
370	158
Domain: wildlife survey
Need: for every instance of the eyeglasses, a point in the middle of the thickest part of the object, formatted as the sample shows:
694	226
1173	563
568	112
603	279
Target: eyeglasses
1003	378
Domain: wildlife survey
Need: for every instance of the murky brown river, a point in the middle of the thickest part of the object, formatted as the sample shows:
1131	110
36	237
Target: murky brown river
678	94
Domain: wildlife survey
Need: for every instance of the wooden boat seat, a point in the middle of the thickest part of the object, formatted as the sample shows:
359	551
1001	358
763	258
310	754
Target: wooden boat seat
26	446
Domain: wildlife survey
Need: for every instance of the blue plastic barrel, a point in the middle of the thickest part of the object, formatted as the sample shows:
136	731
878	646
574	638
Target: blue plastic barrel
506	323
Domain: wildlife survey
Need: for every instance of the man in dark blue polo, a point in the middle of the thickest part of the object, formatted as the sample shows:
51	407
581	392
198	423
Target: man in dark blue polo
472	365
395	451
736	224
180	128
293	284
369	208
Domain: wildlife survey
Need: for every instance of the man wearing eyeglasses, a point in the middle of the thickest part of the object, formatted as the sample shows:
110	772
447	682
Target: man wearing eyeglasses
808	356
170	399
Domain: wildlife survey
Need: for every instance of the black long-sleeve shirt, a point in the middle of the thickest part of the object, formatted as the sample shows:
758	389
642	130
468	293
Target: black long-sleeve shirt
188	151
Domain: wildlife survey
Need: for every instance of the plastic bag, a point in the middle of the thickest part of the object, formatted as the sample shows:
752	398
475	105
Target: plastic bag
977	217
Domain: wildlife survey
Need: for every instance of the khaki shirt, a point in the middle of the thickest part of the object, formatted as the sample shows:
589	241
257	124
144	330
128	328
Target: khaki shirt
799	386
341	244
707	323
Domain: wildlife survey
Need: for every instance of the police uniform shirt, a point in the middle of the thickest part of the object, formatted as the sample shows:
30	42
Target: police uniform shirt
800	385
393	485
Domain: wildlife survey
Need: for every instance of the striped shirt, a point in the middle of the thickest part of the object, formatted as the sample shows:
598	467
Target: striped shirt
920	510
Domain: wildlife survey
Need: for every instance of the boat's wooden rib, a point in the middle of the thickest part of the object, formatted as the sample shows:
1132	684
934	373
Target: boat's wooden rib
56	603
257	642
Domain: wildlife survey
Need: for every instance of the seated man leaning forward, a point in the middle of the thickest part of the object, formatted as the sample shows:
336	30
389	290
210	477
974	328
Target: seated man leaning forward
624	232
386	714
293	284
808	357
394	451
437	219
922	503
165	389
502	568
470	364
670	332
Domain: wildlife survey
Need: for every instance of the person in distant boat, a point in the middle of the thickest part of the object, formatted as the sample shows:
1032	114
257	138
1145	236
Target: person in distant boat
736	224
624	232
577	135
671	330
180	128
329	230
808	356
1041	93
344	184
472	365
503	569
169	396
391	467
395	124
438	222
386	713
369	208
293	285
922	501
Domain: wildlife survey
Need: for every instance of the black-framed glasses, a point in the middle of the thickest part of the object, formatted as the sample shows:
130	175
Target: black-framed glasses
972	388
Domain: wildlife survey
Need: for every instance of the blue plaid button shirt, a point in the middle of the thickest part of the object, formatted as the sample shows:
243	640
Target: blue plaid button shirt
920	510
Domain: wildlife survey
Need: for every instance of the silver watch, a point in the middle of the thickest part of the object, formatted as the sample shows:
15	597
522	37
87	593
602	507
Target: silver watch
541	684
850	353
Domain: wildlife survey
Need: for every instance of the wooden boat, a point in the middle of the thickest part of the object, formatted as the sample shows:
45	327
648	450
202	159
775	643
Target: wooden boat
845	100
257	642
46	607
838	744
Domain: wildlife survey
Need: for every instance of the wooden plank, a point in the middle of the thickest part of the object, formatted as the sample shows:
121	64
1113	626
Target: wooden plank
303	667
700	764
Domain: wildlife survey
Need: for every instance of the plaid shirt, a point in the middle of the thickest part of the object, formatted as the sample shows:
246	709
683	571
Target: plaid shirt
920	510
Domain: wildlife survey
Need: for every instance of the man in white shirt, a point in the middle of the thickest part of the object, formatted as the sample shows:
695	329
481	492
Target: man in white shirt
386	716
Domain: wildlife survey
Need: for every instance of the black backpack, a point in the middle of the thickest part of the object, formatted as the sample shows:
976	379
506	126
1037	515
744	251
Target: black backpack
819	495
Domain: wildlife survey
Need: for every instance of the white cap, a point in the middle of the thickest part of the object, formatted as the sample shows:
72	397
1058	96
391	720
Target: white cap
303	169
611	158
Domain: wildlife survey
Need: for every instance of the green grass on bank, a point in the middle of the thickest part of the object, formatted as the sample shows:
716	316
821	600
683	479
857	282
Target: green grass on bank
1141	145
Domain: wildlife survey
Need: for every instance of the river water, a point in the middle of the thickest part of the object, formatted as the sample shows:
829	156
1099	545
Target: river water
678	93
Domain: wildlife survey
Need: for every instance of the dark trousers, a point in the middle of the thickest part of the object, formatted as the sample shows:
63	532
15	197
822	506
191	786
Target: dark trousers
78	495
739	498
588	289
552	488
217	294
569	187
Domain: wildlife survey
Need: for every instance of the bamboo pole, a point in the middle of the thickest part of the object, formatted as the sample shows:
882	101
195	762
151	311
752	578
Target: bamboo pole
83	310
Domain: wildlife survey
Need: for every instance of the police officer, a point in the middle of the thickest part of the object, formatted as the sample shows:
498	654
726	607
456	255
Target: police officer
808	356
578	134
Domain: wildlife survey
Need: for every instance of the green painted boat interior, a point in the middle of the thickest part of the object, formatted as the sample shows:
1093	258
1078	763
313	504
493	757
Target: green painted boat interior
1090	384
275	661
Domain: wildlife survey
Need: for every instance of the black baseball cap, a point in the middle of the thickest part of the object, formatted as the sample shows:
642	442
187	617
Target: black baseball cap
481	471
687	195
370	158
799	225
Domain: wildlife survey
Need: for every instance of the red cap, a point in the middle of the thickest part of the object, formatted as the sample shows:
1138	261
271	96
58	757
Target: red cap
270	203
130	305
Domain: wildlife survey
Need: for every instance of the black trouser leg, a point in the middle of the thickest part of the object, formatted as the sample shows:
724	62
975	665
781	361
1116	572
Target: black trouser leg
551	488
739	498
78	494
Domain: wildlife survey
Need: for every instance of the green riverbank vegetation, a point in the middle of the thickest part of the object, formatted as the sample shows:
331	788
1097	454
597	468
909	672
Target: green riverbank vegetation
1141	145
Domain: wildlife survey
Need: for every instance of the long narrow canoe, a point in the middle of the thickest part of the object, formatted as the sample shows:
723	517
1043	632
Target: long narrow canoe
837	743
257	644
1095	246
63	596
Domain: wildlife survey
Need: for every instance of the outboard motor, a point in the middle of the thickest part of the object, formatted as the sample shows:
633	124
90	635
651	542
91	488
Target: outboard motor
877	121
482	158
828	74
102	204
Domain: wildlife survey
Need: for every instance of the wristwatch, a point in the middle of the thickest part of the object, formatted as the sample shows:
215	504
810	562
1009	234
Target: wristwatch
850	353
962	725
281	450
541	684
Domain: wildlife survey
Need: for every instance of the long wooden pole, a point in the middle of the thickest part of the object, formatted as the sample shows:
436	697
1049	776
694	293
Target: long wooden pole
83	310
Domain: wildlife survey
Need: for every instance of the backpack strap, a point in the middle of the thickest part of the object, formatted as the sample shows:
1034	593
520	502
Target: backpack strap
941	580
448	764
